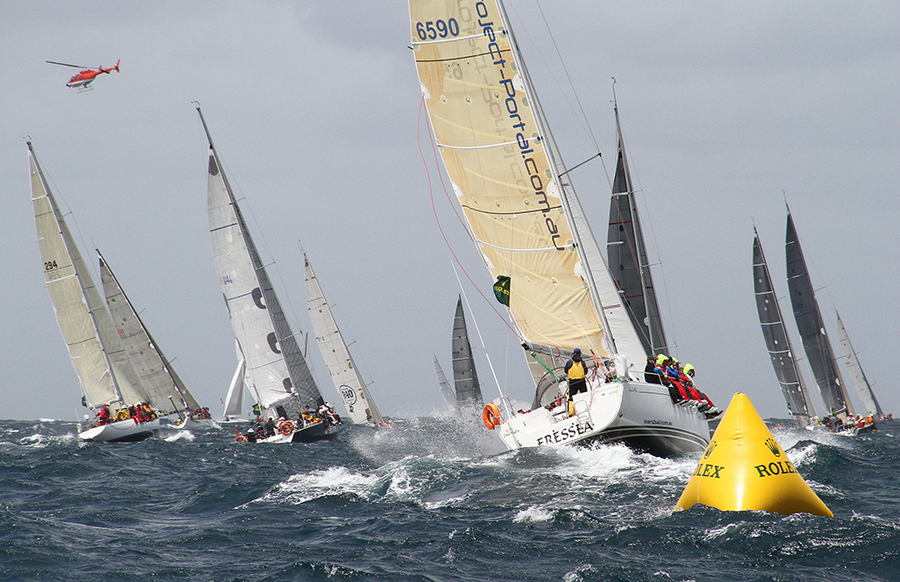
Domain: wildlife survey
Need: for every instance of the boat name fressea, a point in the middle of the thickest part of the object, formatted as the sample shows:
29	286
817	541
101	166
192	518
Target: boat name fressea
570	432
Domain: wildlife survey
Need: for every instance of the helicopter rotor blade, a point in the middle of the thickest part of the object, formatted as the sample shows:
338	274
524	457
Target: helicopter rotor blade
67	65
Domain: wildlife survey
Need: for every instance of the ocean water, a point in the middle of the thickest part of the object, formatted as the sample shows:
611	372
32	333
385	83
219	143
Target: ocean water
429	500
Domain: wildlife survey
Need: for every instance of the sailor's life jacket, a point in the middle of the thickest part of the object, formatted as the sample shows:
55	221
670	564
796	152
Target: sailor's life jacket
577	370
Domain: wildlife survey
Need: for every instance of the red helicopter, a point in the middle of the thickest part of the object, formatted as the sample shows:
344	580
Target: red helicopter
85	77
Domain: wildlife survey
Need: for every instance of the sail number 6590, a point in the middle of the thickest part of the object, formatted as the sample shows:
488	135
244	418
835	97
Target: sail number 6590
433	29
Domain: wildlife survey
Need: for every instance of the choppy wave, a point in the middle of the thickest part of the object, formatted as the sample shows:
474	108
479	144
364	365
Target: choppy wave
432	499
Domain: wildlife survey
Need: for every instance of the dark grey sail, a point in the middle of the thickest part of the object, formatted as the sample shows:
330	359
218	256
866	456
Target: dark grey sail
812	328
777	341
468	390
628	257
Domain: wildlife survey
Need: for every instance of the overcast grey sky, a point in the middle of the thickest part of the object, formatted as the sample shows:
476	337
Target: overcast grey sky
727	107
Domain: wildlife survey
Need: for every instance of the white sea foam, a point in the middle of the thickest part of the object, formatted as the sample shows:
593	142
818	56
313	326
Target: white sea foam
180	435
534	514
321	483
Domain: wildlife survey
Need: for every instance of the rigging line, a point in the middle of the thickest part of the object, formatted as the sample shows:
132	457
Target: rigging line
578	165
437	220
568	76
583	118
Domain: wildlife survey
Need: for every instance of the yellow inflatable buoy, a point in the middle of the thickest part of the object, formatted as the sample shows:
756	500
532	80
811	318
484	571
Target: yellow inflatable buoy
744	468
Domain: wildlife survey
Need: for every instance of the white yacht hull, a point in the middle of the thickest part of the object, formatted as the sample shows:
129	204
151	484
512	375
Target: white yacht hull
637	414
121	431
196	423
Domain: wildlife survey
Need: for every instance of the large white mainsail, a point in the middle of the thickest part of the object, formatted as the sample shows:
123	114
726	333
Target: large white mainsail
277	373
164	387
106	374
505	169
344	373
857	376
533	234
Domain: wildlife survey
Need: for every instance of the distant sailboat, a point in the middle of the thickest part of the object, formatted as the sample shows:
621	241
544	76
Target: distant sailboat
465	378
108	378
524	216
234	399
344	373
276	372
446	390
164	387
777	342
812	329
857	376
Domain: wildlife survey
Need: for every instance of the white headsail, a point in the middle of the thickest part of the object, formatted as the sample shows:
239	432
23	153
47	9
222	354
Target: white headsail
344	373
857	376
164	388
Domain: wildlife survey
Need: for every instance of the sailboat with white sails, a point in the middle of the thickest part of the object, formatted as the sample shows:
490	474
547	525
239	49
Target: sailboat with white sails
857	376
528	224
166	390
277	374
344	373
234	398
108	378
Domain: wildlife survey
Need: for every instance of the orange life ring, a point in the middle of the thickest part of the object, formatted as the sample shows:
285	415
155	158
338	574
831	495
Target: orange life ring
241	438
491	416
286	428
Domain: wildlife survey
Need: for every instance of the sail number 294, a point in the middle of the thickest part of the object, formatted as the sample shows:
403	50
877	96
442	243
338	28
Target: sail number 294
433	29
